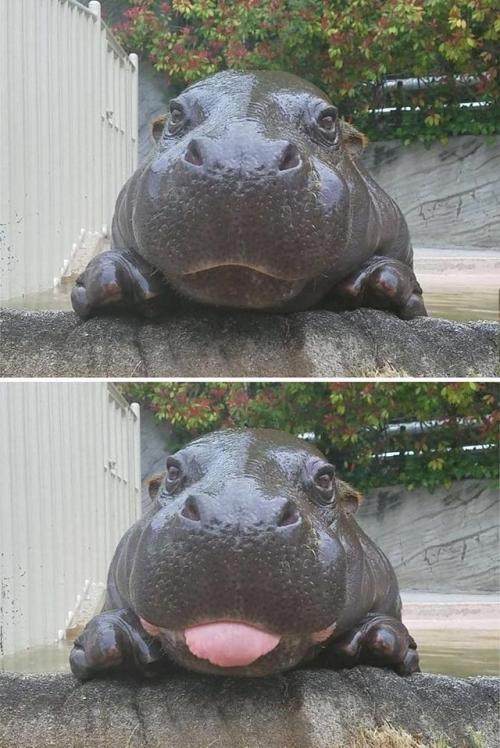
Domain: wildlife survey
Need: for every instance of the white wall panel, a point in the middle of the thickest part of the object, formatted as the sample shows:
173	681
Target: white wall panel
70	485
68	135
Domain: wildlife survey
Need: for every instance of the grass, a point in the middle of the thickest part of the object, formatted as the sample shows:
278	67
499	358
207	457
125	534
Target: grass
387	370
389	736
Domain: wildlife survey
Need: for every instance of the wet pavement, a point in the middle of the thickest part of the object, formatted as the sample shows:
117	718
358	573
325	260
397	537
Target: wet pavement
457	634
460	285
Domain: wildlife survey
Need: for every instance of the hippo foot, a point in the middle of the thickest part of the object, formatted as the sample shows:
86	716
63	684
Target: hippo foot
118	279
382	283
114	641
378	640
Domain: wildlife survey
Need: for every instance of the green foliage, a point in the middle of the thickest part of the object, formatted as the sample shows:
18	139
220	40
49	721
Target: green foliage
350	422
346	48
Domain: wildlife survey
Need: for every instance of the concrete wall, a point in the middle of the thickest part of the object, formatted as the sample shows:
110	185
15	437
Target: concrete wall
446	541
449	194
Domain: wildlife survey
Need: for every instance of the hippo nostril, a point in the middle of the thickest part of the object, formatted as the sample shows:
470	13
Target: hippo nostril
290	158
193	154
288	515
191	510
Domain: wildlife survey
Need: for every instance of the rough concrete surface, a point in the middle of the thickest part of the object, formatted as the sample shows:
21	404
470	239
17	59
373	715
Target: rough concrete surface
303	709
207	343
447	539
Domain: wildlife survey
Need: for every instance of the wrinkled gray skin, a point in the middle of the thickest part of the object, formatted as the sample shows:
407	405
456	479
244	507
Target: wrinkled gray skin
244	529
255	198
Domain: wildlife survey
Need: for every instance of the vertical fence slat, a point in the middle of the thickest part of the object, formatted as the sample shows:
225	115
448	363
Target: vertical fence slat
61	163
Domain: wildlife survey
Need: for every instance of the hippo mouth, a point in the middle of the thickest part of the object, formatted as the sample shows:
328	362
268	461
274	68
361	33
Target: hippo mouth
228	644
239	286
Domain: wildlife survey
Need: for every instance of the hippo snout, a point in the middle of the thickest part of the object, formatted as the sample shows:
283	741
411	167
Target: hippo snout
259	158
202	512
240	534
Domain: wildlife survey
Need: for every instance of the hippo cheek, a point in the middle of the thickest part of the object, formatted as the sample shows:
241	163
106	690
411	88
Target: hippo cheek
334	200
336	189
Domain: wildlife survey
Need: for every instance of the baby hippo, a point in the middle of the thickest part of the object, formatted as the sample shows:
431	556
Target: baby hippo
249	563
255	197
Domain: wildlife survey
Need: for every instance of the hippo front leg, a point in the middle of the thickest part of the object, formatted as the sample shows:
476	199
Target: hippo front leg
379	640
115	641
118	279
381	283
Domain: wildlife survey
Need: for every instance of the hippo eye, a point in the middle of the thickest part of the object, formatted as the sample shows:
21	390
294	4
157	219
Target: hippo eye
327	120
174	474
324	481
177	117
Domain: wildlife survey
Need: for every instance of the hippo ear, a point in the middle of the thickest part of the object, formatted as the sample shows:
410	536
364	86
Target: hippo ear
153	483
348	498
354	140
157	127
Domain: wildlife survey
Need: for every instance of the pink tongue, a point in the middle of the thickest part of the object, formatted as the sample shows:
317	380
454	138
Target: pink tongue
229	644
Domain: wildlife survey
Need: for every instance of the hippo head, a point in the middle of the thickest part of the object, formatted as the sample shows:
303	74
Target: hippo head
241	566
249	196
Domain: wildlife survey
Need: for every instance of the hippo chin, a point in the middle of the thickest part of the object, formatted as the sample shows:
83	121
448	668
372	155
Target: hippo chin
254	198
249	563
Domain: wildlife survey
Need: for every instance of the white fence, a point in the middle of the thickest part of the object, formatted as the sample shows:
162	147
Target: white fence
68	135
70	484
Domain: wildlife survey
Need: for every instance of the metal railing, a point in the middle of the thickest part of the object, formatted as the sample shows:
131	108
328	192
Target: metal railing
68	136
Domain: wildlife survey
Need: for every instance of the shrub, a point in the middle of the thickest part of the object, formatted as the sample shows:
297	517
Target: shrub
346	48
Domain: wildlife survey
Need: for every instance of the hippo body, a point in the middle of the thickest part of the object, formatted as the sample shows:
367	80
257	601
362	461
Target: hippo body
254	198
249	563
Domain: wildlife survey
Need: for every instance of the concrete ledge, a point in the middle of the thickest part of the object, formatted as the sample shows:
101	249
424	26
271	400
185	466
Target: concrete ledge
303	709
215	343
